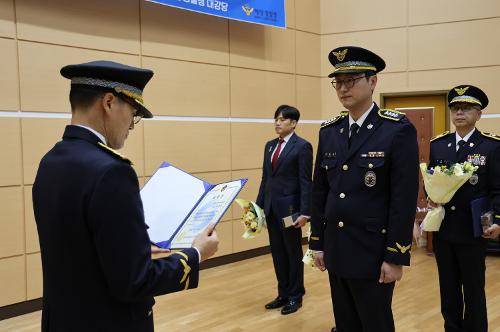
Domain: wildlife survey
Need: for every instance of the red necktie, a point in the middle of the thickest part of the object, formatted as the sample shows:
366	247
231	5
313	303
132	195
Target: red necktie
274	161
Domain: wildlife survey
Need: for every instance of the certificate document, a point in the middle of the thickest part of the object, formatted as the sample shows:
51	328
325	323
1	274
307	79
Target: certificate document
178	206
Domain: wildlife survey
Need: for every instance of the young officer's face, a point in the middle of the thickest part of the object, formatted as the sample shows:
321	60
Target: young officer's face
283	126
354	89
464	115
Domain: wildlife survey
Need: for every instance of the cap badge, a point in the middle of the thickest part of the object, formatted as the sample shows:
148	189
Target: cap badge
461	91
340	55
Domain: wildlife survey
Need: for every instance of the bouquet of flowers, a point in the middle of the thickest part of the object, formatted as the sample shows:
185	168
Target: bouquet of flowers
441	183
253	218
309	255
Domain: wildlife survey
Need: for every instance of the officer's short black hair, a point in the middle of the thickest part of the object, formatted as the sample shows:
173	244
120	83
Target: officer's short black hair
83	97
288	112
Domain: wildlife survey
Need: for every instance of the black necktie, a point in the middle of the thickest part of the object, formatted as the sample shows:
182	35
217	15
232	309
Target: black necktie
460	146
353	131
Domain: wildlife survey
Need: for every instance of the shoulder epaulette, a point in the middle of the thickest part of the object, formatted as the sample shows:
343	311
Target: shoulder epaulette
114	153
335	119
390	114
440	135
494	136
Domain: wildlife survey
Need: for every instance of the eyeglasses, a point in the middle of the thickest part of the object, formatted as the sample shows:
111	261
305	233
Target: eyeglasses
348	82
136	114
463	108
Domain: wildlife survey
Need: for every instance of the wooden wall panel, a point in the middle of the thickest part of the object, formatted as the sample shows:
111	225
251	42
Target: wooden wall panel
290	13
262	47
43	89
430	11
13	276
7	24
9	79
247	143
187	89
489	125
448	41
308	51
191	146
487	78
257	94
309	97
241	244
11	222
225	234
10	145
39	136
102	25
307	15
180	34
342	16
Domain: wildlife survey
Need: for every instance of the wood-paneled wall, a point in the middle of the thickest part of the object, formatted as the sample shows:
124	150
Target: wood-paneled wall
205	67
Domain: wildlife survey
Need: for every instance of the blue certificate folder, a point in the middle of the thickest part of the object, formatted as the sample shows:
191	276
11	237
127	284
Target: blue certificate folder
178	205
479	206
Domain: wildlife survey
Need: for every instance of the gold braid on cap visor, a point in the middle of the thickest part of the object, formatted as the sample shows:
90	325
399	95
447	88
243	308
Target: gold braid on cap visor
353	65
466	99
127	90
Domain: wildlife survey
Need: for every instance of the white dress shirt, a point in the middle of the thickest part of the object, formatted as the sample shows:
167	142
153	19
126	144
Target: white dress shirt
285	140
361	119
95	132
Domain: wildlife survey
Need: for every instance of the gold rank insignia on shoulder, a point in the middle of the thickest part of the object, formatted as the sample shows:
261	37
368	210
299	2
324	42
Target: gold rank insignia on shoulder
440	135
391	114
340	55
334	119
494	136
114	153
461	91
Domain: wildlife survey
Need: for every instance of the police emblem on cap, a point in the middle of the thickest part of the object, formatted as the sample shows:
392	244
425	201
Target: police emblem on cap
340	55
467	94
370	179
461	91
474	179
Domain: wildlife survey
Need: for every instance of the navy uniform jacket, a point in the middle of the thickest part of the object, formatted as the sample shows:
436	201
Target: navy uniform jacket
483	150
98	274
364	197
287	189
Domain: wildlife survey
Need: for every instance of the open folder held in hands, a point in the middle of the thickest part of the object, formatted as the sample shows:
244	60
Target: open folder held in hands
178	206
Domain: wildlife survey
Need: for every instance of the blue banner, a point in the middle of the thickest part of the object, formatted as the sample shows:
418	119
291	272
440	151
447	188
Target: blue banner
266	12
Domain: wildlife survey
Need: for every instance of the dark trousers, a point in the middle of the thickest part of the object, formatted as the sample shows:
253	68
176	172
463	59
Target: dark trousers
361	305
461	283
286	249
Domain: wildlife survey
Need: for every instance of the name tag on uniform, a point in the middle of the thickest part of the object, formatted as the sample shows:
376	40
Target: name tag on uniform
373	154
476	159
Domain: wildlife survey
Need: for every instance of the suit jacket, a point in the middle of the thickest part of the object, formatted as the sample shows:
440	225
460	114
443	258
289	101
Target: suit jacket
483	150
98	274
364	197
287	189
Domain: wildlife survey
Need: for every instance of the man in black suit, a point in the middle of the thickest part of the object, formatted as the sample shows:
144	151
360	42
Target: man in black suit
98	274
459	255
364	196
285	191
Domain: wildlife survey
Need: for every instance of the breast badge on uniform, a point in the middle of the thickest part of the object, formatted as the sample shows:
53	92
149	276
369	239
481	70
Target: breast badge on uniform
370	179
474	179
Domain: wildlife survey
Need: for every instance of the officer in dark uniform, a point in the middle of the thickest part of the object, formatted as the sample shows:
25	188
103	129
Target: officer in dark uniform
459	255
98	274
364	196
